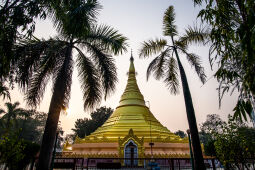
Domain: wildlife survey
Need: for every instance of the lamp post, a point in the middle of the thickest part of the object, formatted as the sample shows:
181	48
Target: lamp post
190	149
54	151
151	143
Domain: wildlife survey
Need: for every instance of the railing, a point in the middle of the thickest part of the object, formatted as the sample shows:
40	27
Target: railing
135	163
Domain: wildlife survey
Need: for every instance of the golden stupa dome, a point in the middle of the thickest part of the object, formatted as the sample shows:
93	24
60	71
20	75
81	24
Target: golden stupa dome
132	113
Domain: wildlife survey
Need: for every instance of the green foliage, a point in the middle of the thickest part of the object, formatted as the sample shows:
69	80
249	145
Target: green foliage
181	133
242	109
21	133
232	142
208	141
209	128
232	37
11	151
32	127
16	22
235	144
212	124
27	124
84	127
10	116
17	153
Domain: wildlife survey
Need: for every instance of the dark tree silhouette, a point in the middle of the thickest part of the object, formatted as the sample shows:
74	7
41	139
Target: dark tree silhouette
40	60
167	67
84	127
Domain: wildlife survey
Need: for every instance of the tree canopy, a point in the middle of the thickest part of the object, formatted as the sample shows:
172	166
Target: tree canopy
20	135
17	21
232	37
231	142
181	133
84	127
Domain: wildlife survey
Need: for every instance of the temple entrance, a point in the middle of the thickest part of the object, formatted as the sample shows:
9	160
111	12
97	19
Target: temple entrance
130	154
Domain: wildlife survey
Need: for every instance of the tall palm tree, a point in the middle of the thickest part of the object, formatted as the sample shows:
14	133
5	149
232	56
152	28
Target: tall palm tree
40	60
10	115
166	66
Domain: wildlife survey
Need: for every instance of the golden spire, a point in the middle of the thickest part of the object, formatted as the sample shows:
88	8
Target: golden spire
132	94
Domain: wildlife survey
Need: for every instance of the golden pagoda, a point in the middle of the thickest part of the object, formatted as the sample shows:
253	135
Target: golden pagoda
131	125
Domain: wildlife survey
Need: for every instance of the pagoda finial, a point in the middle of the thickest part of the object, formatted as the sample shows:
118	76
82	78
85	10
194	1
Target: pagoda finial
131	67
131	58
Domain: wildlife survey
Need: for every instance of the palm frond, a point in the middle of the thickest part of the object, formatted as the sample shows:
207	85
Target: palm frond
41	69
198	2
11	107
169	27
151	67
106	66
181	45
171	77
194	61
62	78
158	65
28	53
195	35
37	84
2	111
152	47
108	38
89	78
74	18
4	91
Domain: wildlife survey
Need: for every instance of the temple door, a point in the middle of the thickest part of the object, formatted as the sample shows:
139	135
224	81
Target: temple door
131	154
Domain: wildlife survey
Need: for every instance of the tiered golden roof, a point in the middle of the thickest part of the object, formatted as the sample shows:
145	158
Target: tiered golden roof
132	113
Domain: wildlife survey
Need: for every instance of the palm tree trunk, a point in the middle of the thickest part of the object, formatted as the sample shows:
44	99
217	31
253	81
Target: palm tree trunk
49	134
51	124
198	156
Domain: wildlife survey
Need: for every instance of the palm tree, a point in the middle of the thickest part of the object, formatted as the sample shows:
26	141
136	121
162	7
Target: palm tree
10	115
166	66
40	60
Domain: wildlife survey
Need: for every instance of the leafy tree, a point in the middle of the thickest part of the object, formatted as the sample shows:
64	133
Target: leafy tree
235	144
27	124
209	128
10	115
42	59
16	22
11	151
232	37
16	154
84	127
32	127
212	124
181	133
167	67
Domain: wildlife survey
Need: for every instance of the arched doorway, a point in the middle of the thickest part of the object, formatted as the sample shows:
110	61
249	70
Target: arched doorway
130	153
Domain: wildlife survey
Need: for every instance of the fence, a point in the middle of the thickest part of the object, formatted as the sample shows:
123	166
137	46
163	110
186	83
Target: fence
135	163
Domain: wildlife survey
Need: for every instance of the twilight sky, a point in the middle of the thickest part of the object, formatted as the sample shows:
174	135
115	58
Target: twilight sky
140	20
